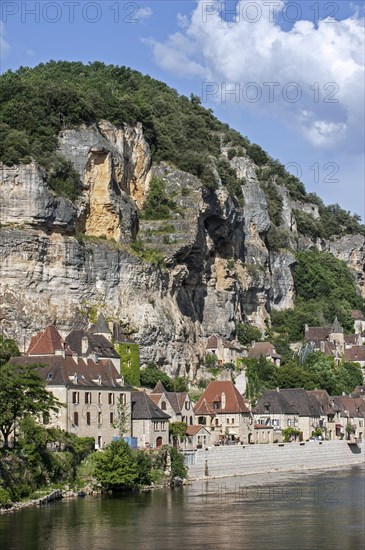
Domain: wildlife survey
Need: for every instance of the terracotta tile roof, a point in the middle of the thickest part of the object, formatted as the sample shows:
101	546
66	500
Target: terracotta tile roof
143	408
351	339
155	397
47	342
262	348
193	430
213	394
67	371
263	427
316	334
357	315
356	353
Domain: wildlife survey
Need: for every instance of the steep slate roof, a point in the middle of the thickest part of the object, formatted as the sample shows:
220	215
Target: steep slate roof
336	327
350	406
46	342
358	391
143	408
356	353
213	393
262	348
176	399
304	403
101	326
97	343
69	371
273	402
316	334
326	402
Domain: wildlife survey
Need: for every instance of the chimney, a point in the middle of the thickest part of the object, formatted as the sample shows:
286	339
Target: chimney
60	352
306	327
84	345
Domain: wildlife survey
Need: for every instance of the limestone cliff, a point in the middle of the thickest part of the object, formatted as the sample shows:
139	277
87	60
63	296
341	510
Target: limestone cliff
59	260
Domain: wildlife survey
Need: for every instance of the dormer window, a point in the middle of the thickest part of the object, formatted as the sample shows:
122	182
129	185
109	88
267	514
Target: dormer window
49	376
215	405
163	405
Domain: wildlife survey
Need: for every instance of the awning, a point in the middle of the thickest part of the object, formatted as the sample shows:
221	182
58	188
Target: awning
339	426
233	432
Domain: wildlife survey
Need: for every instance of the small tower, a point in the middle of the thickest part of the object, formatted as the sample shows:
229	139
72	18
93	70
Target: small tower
336	335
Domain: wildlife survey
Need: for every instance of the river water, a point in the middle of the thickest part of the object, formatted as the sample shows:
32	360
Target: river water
321	510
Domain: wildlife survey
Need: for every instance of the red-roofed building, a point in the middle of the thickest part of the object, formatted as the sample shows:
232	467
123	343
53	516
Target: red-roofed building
48	342
197	437
224	411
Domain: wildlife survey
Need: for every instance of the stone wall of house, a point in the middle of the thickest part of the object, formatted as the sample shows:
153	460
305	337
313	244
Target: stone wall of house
148	432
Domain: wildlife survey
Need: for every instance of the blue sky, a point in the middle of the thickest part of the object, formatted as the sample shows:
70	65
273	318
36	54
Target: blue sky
296	68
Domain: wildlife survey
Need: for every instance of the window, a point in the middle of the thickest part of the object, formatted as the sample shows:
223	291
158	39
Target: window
163	426
76	418
75	397
216	422
155	426
49	376
187	405
111	416
232	420
163	405
88	418
99	397
99	418
99	441
122	398
111	398
87	398
216	405
289	422
45	418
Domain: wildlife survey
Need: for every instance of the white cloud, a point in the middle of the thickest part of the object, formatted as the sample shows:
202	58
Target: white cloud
331	54
4	45
144	13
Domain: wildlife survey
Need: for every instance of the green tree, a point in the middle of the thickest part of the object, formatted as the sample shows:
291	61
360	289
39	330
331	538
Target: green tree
151	374
22	392
123	417
246	334
177	432
211	360
116	466
8	349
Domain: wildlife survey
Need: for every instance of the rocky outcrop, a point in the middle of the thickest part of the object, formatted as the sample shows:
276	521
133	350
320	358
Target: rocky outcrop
60	261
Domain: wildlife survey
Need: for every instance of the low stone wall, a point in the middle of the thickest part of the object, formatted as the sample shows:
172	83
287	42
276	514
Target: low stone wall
252	459
55	495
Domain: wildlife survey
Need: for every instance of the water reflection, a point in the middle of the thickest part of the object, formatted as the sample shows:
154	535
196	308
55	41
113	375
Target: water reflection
281	511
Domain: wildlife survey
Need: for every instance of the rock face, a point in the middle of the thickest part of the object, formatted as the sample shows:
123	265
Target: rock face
60	261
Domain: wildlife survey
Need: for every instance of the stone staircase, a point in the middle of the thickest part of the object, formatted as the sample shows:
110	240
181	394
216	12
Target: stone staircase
250	459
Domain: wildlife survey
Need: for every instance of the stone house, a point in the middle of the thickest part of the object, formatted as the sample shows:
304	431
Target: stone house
225	351
197	437
90	389
356	354
223	410
150	425
287	408
264	349
176	404
273	411
351	413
